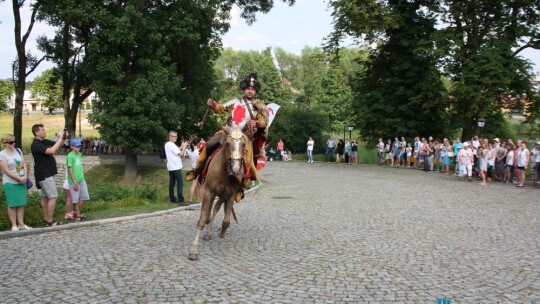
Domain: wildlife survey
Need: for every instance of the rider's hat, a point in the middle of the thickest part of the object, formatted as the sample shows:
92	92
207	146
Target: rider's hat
250	81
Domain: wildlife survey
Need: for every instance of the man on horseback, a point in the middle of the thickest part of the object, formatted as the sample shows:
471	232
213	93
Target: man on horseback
248	113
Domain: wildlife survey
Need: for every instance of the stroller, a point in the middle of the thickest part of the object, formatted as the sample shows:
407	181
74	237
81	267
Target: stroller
270	154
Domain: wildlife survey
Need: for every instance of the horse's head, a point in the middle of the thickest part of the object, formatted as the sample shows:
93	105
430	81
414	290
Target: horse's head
234	142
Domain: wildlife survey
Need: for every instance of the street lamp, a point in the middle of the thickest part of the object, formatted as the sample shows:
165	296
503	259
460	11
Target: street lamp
350	130
480	122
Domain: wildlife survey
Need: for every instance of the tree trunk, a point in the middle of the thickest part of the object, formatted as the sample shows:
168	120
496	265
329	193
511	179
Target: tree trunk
130	173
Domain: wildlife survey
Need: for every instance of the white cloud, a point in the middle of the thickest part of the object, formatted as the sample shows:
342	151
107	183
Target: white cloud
252	38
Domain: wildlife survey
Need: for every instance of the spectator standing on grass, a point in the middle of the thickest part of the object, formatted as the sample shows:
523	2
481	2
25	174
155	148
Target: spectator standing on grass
14	177
45	170
330	145
77	185
522	162
310	144
174	166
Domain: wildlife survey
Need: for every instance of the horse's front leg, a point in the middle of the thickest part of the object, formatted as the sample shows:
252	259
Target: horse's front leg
203	219
209	227
227	217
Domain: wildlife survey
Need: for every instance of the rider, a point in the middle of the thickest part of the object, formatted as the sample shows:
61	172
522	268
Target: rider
248	113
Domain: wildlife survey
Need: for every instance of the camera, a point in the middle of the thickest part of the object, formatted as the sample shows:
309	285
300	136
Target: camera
65	134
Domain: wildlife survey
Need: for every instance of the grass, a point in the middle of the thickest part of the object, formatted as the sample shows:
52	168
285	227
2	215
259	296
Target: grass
53	124
109	197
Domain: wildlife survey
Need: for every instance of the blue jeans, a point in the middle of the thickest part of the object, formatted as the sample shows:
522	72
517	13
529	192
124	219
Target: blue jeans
426	162
310	155
176	177
329	151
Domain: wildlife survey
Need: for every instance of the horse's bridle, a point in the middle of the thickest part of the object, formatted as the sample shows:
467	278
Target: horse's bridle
236	135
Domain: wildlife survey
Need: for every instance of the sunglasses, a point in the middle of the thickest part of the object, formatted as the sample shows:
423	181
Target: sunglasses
9	142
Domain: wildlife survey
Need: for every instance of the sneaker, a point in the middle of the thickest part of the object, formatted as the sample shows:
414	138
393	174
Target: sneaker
14	228
184	204
24	227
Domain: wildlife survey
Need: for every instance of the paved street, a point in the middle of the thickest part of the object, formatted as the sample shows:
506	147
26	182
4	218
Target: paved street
314	233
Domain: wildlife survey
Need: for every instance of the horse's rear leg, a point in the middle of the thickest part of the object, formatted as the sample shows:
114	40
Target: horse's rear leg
227	218
209	227
203	218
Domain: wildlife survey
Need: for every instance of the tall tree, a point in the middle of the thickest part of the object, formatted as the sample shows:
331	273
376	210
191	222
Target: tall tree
151	64
73	20
485	39
400	92
23	66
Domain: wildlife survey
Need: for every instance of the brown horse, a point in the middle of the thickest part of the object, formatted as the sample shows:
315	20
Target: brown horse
223	180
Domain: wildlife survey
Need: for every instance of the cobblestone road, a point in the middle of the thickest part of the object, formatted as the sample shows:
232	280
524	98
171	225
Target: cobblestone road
314	233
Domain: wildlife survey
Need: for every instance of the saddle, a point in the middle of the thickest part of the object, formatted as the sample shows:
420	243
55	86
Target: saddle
211	158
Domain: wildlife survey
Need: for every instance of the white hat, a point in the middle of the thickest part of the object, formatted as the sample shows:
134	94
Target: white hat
466	144
496	139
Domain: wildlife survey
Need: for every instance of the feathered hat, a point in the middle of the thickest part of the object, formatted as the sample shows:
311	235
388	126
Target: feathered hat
250	81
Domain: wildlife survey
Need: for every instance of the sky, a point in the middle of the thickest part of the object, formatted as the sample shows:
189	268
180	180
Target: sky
306	23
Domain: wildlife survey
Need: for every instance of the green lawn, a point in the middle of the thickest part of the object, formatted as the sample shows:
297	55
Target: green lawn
52	123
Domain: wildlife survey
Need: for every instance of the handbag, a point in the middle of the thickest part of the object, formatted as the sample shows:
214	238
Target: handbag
29	183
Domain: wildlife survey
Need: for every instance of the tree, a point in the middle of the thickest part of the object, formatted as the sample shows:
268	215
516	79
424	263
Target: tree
47	87
151	64
66	49
23	66
477	44
485	39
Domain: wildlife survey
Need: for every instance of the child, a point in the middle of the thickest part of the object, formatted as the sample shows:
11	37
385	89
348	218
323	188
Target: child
77	185
70	213
193	153
408	150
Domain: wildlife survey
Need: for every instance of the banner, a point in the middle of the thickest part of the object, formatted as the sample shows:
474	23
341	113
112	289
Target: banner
272	110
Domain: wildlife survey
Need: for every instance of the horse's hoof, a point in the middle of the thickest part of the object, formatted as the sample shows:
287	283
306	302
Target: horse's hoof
207	237
193	256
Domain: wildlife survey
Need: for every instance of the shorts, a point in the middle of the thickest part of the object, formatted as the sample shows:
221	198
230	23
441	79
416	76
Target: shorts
80	195
511	167
521	168
48	187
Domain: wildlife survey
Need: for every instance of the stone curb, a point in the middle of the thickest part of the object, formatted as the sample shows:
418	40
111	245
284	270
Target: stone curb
35	231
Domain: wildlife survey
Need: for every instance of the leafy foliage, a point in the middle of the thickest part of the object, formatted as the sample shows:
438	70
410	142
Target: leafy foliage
6	90
476	44
48	88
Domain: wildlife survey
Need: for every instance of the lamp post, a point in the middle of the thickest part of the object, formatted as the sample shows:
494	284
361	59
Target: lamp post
350	131
480	122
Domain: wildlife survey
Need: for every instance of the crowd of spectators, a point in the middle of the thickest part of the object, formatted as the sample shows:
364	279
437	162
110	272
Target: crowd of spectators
489	161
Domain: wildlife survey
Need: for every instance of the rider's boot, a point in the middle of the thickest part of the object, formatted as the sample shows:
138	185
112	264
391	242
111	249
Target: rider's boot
211	145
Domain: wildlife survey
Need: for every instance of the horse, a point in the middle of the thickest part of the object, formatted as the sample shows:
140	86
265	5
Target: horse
223	180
